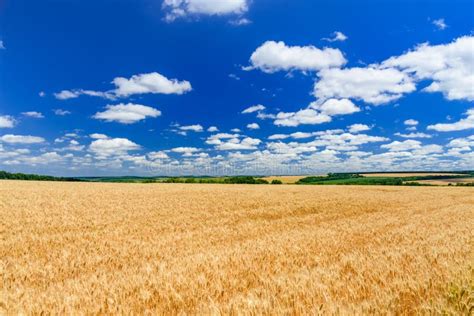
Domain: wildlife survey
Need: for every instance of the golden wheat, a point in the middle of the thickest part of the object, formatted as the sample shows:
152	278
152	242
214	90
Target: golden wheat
83	248
408	174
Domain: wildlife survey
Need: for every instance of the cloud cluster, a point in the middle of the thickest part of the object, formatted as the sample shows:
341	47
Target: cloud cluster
225	141
447	66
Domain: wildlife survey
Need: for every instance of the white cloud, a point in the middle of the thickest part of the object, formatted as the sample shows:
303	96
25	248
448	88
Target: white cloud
357	128
157	155
212	129
42	94
440	24
247	143
277	56
225	141
414	135
185	151
264	116
72	94
301	135
235	130
253	126
112	146
192	128
307	116
462	142
181	8
410	122
153	82
463	124
61	112
33	114
150	83
336	107
216	138
448	66
66	94
2	45
127	113
253	108
372	85
240	22
21	139
98	136
7	121
337	37
278	136
402	146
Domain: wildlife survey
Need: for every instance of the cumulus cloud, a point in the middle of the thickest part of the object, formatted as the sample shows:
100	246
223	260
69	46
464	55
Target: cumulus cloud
225	141
192	128
411	122
253	108
274	56
336	37
157	155
448	66
72	94
150	83
212	129
21	139
414	135
357	128
463	124
316	113
440	24
98	136
181	8
240	22
402	146
153	82
127	113
333	107
7	121
2	45
33	114
112	146
253	126
307	116
371	85
185	151
61	112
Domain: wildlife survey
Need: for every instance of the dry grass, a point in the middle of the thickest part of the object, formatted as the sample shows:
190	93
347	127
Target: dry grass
408	174
78	248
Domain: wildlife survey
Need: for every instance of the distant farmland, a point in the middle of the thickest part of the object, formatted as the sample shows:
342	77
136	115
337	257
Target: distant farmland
103	248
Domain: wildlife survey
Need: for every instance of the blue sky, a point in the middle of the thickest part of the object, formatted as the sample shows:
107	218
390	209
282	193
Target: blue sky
153	87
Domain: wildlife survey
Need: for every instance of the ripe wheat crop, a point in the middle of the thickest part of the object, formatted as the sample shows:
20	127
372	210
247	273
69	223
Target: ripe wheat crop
95	248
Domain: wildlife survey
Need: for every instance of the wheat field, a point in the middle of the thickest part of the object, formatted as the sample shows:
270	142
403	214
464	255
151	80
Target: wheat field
95	248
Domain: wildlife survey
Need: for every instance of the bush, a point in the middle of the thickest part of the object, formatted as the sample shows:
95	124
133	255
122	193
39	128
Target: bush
276	181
